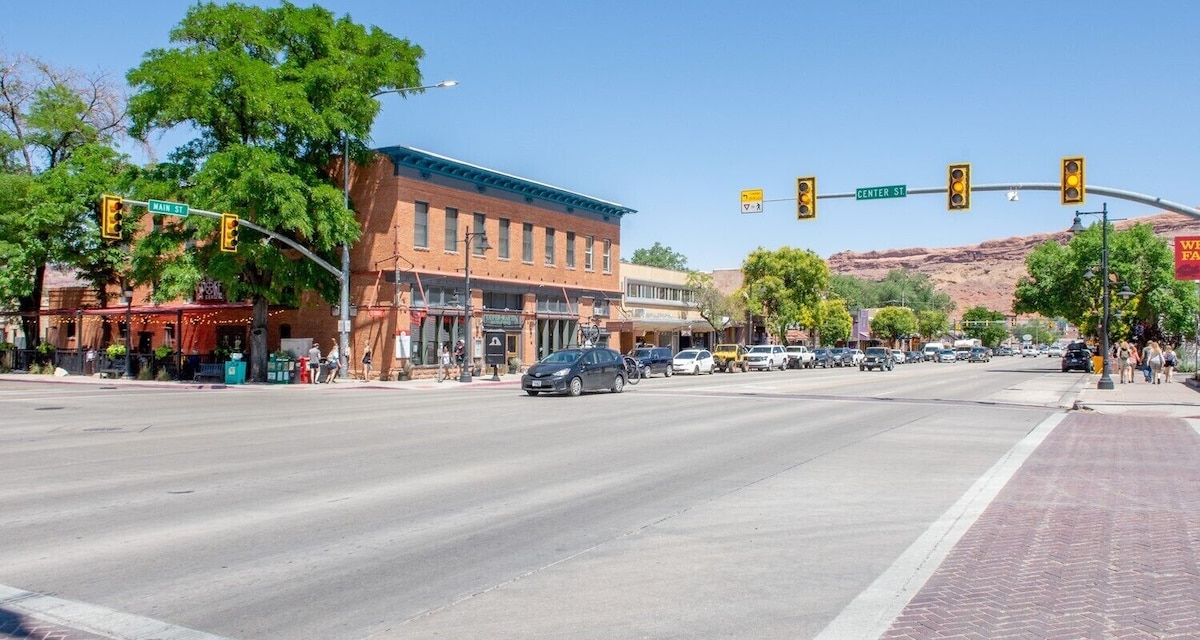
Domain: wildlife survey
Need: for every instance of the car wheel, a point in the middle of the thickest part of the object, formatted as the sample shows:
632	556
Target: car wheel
531	392
575	387
696	371
618	384
646	371
667	373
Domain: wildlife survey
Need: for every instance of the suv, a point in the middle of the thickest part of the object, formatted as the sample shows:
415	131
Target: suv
822	357
877	358
841	357
980	354
1077	357
766	357
653	360
728	357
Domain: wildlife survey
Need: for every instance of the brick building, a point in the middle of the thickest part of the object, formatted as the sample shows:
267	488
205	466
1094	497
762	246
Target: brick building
549	267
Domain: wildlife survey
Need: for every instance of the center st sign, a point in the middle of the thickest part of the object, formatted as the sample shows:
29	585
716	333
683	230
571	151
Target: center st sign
875	193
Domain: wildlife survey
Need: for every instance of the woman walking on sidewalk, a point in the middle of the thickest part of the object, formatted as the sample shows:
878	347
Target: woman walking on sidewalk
1170	361
1155	361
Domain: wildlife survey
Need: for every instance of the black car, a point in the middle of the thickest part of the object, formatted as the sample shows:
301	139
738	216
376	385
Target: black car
1077	358
653	360
877	358
824	358
573	371
842	357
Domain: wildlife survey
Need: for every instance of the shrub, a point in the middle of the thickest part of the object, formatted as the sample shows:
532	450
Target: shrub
115	350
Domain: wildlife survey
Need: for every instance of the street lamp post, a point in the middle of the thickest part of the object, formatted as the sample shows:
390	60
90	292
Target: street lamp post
1076	227
128	296
464	374
344	297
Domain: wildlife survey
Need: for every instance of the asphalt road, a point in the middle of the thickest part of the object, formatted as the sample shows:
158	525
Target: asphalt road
752	505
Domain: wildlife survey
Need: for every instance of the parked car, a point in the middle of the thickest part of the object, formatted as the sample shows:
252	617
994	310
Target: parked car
877	358
914	356
856	356
799	357
898	356
766	357
1054	351
730	357
693	361
573	371
841	357
1077	358
1004	351
980	354
823	358
1029	351
946	355
653	360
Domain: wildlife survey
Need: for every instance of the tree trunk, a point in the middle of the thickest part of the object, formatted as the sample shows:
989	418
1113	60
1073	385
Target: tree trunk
31	320
258	341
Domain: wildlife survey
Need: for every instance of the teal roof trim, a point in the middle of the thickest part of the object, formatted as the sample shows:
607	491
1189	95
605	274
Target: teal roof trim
483	178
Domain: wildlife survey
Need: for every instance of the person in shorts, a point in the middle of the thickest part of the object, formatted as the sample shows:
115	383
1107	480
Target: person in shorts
314	364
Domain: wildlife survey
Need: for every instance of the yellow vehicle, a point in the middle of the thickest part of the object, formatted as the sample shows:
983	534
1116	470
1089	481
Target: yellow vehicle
729	357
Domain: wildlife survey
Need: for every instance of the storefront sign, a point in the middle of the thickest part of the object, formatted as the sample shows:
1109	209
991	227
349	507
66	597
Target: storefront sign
502	320
1187	258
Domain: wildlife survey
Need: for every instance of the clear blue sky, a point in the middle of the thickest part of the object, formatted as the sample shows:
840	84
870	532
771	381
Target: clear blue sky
672	108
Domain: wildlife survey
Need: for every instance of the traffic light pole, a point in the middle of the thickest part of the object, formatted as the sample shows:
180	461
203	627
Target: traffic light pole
1120	194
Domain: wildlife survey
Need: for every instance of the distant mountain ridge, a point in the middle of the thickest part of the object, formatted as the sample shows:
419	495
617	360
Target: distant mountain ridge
985	274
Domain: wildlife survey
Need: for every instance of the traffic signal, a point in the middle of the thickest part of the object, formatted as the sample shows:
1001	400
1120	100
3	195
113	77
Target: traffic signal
806	198
1072	180
229	232
958	189
110	217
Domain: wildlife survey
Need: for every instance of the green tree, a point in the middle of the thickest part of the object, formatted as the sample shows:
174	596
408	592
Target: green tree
1057	284
832	322
784	286
991	327
660	256
932	324
270	93
718	309
893	322
57	128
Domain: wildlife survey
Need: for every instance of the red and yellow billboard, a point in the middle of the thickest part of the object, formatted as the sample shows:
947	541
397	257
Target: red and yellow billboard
1187	258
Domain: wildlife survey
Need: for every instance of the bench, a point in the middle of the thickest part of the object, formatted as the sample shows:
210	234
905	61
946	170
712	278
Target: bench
210	370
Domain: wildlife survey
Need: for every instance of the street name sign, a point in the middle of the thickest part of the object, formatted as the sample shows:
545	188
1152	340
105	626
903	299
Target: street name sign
752	201
167	208
875	193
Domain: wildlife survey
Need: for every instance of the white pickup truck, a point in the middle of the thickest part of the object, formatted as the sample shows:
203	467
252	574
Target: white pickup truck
800	357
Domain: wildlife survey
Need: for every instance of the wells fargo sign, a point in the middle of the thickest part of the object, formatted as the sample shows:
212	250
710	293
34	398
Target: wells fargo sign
1187	258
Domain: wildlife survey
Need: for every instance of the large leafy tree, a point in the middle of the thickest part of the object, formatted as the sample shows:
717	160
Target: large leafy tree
1057	284
57	129
784	286
660	256
270	93
991	327
932	323
832	321
893	322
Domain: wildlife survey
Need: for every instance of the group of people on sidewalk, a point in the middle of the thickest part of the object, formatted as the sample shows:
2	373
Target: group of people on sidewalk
1157	364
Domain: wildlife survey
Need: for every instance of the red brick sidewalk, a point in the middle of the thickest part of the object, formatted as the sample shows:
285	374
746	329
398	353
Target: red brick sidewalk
1096	536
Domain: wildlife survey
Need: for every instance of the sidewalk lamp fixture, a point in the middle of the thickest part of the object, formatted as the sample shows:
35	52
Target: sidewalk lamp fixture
1106	381
464	374
344	297
127	298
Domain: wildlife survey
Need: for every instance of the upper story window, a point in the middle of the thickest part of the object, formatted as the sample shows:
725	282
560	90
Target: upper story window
549	247
570	249
478	227
503	239
421	225
554	304
589	249
451	229
527	242
608	256
601	308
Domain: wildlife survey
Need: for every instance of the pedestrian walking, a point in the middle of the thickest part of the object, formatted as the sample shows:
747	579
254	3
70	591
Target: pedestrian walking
1170	361
314	363
1125	358
332	363
443	363
1155	362
91	361
366	360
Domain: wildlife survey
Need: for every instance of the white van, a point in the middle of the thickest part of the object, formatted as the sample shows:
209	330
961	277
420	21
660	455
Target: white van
931	351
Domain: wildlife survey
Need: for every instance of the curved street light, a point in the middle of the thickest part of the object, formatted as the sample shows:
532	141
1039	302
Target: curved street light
344	298
1106	382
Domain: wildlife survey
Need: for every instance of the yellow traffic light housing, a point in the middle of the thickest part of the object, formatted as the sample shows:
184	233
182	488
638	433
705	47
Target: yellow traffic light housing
806	198
229	232
1072	189
958	187
110	217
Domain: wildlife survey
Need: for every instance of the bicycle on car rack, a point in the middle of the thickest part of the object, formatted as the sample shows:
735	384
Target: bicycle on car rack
633	371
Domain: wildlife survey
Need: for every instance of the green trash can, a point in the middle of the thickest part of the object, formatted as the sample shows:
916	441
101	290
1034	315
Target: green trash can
235	372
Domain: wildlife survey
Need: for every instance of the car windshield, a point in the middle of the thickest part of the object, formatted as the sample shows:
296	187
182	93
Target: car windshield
690	354
641	353
760	349
566	356
872	351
